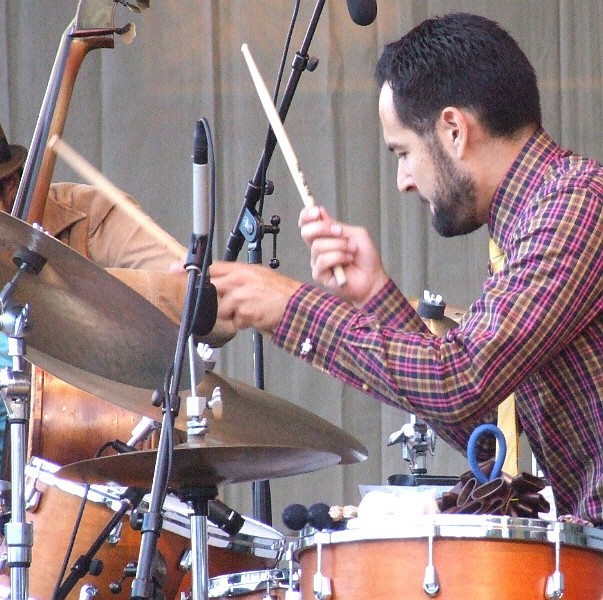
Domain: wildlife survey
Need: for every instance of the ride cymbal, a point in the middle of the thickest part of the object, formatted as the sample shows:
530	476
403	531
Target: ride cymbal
200	466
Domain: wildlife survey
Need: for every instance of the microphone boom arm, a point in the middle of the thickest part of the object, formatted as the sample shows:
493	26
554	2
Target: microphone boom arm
254	191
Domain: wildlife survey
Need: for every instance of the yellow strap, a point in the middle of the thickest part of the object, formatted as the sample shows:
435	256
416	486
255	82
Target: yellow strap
507	416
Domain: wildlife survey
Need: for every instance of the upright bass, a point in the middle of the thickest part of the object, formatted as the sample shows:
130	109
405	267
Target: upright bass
92	27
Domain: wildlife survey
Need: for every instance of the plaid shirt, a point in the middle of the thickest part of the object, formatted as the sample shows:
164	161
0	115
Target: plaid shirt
536	329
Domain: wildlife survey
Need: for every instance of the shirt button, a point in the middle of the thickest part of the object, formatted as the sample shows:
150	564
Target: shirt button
365	387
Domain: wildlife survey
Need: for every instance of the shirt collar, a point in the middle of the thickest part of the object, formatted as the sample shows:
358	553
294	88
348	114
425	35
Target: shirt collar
520	183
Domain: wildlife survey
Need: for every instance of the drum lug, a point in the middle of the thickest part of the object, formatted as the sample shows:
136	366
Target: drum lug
431	585
322	587
322	584
88	591
115	535
554	583
186	561
554	586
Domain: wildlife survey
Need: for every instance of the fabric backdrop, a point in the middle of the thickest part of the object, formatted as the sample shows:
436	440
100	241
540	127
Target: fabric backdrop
133	112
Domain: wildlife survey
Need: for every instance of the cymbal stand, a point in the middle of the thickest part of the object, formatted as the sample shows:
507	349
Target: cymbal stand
130	499
198	499
15	388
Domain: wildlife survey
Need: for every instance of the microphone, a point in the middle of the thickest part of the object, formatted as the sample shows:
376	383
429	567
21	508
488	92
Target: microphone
205	316
224	517
295	517
121	447
363	12
201	196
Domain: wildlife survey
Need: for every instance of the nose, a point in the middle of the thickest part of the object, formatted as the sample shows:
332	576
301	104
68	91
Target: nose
404	181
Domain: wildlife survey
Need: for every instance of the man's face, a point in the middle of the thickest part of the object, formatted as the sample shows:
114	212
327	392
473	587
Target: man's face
426	167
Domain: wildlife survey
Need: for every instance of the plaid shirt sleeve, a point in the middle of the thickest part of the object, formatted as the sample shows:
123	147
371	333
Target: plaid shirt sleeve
549	289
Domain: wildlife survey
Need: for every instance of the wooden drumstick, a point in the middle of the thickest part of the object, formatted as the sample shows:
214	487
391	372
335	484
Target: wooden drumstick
284	143
81	166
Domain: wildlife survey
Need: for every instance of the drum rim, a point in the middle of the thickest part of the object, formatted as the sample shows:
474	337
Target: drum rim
457	526
245	582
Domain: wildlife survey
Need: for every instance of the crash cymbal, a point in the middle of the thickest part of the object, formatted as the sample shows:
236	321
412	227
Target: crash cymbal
205	465
250	416
83	320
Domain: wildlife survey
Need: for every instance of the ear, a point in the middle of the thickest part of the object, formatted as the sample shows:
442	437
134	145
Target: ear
453	128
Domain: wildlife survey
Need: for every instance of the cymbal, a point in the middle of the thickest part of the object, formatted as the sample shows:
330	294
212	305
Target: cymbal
81	333
250	416
85	322
200	465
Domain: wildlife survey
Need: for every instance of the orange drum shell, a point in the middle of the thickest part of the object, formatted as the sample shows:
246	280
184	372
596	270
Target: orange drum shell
52	525
480	569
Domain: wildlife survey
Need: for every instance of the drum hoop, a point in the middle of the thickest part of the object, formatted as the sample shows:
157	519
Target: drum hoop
456	527
245	582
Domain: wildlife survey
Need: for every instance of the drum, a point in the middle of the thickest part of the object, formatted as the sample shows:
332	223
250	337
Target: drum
256	548
250	585
56	502
453	557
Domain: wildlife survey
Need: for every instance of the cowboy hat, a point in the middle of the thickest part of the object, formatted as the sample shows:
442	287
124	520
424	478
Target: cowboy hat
12	156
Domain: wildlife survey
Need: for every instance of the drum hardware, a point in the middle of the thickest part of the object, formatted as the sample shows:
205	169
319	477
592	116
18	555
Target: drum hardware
15	387
321	584
88	592
293	592
417	438
431	585
129	500
555	582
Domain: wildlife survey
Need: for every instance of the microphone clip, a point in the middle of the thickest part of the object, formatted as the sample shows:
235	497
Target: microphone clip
196	252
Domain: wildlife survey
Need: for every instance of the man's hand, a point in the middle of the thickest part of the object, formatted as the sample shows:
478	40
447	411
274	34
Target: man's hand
251	295
332	244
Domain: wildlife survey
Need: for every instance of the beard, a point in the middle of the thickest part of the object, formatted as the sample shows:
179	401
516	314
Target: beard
455	198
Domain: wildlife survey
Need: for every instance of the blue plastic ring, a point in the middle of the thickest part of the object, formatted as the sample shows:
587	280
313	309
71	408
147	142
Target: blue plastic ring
472	452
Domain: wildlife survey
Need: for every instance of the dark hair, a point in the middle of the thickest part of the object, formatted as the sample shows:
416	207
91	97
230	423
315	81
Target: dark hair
460	60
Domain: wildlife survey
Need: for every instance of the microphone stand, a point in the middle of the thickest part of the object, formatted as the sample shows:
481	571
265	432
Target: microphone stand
250	227
131	498
142	586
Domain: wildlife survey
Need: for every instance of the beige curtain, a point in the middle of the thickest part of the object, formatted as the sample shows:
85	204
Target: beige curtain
133	112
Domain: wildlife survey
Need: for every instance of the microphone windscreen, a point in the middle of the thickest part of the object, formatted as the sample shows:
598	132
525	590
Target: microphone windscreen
295	517
319	517
205	318
363	12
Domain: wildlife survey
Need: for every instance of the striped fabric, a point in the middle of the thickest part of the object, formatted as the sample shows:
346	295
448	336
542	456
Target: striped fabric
536	329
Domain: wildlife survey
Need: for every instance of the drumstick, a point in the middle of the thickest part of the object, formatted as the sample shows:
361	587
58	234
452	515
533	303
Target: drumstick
284	143
117	196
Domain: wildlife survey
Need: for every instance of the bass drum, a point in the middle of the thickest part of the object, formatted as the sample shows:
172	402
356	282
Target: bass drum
453	557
